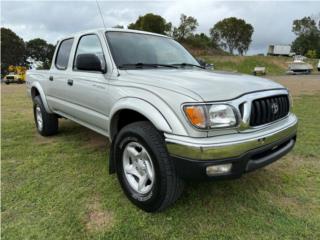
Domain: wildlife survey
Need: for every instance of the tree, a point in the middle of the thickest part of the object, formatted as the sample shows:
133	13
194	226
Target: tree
12	50
304	26
308	36
199	41
186	28
303	43
232	34
151	23
311	54
39	50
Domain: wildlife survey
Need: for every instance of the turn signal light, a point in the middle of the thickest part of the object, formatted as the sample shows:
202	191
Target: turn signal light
196	115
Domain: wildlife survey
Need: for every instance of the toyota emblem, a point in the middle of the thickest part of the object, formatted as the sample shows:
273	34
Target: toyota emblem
274	108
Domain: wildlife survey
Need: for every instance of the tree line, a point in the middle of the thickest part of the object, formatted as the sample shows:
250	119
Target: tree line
230	34
15	51
307	41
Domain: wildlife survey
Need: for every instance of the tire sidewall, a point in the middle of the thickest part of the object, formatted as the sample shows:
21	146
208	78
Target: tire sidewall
37	102
153	198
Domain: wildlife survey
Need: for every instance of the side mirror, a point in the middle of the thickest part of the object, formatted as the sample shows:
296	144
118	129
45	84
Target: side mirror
205	65
90	62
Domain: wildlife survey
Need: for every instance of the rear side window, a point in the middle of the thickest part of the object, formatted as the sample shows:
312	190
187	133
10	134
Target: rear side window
63	54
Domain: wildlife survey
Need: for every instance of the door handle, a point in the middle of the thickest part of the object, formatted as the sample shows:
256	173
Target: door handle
51	78
70	82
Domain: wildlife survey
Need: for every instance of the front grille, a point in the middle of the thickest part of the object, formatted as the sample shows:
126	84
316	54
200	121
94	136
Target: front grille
269	109
10	77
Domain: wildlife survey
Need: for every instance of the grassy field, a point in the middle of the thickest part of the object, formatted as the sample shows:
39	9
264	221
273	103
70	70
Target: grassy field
246	64
59	188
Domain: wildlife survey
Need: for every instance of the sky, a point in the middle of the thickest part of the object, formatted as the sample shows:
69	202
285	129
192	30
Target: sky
51	20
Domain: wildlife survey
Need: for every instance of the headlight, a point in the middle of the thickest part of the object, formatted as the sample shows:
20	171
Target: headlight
211	115
221	116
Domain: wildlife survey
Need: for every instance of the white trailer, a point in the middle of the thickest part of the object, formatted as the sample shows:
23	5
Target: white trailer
279	50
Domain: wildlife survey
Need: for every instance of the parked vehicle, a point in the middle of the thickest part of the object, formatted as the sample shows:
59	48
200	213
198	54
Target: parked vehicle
167	117
319	66
17	74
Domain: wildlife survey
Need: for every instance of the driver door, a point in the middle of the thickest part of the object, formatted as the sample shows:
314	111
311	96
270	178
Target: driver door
88	90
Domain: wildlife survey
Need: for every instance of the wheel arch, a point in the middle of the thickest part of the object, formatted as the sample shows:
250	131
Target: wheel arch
36	90
136	109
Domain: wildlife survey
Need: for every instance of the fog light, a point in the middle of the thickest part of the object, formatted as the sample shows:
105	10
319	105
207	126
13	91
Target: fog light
218	169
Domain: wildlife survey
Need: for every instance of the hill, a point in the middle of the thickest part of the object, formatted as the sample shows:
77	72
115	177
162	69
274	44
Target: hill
245	64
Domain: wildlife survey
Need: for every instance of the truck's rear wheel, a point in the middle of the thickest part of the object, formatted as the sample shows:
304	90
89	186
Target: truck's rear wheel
144	169
46	123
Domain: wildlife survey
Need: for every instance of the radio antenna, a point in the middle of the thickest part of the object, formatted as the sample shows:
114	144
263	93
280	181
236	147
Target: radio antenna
100	14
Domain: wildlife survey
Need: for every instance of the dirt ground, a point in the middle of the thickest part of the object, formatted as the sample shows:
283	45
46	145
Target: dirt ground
299	84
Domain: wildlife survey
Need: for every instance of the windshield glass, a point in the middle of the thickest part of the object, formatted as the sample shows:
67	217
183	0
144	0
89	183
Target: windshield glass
130	49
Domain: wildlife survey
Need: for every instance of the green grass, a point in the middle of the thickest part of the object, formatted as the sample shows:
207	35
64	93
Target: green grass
59	188
246	64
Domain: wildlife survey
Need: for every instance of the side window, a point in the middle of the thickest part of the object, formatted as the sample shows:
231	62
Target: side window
89	44
63	54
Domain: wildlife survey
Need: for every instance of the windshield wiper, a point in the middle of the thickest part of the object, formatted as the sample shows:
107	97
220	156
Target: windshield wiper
188	65
142	65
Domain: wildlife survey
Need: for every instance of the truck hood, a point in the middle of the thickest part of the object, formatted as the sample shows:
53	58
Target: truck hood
208	85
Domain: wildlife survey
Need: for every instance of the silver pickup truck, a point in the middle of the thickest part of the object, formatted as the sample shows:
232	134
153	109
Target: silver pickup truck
168	118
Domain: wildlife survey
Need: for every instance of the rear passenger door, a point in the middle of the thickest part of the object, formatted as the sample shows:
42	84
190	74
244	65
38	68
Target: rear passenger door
57	92
88	93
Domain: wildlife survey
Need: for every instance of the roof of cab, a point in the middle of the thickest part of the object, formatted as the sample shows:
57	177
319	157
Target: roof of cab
110	30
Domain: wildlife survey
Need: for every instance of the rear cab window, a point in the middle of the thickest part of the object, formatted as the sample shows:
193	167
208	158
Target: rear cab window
63	54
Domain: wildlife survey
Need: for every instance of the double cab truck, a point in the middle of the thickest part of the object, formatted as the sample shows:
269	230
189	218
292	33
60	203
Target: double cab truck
168	118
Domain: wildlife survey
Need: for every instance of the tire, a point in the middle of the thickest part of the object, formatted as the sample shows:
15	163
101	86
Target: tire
7	82
163	186
47	124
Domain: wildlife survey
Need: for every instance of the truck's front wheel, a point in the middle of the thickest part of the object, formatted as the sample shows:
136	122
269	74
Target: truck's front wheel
144	169
46	123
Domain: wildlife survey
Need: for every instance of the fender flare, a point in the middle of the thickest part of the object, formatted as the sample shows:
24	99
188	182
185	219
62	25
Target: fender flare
144	108
37	86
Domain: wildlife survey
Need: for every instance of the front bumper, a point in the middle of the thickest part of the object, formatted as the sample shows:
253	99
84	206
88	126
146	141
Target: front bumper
246	151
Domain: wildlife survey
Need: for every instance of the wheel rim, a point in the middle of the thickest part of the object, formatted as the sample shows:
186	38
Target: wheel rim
39	118
138	168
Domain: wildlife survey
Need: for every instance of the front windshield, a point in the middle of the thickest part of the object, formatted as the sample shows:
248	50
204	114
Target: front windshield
130	49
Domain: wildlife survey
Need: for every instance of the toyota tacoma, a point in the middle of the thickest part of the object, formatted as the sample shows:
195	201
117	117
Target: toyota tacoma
168	118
